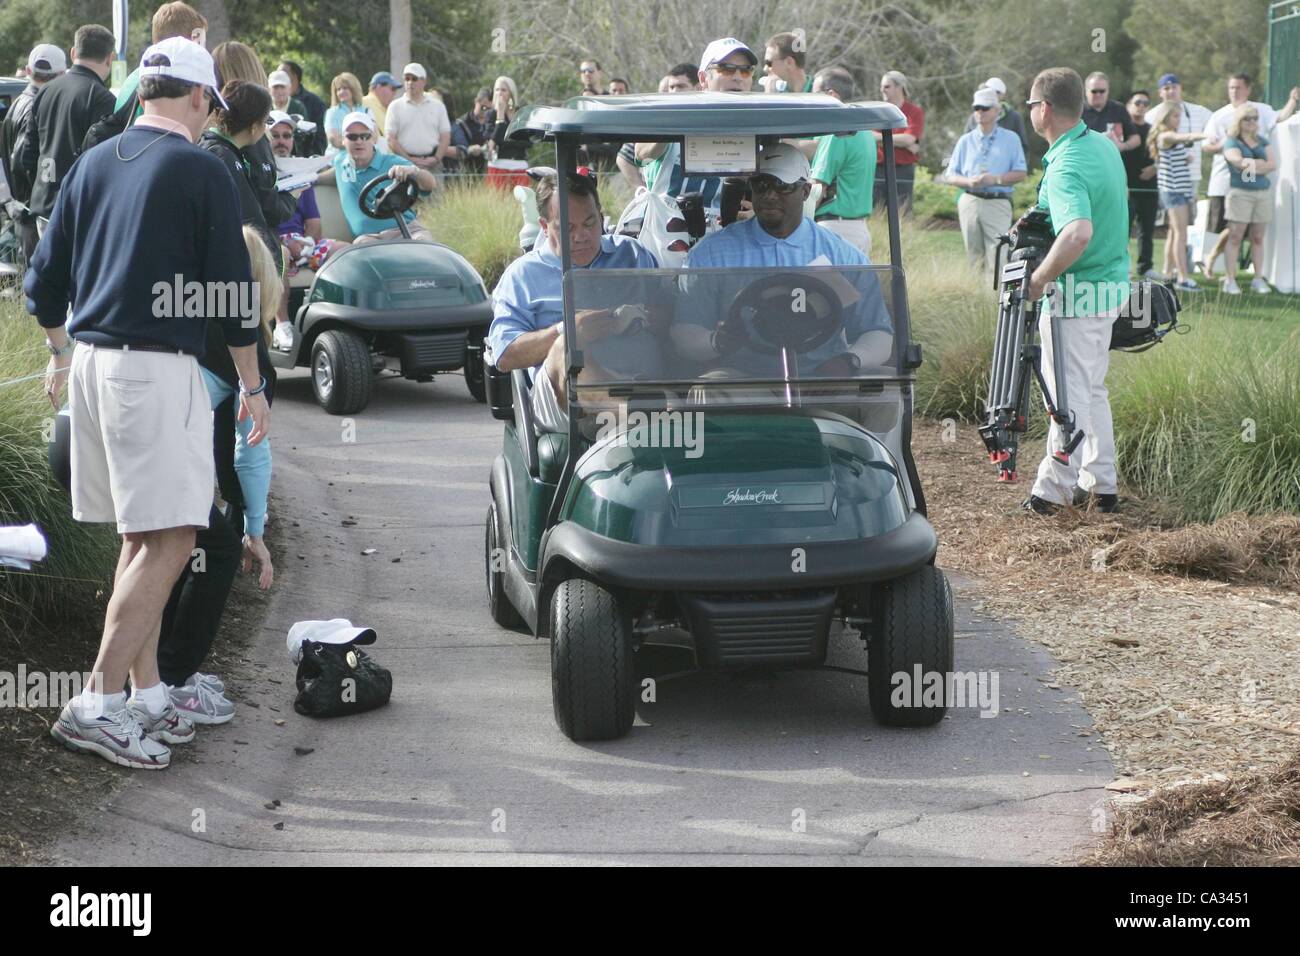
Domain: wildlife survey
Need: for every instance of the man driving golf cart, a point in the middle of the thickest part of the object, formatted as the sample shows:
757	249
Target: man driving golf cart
527	331
360	163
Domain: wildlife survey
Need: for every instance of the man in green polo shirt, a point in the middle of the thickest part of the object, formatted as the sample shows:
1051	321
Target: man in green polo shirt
1084	191
783	61
845	167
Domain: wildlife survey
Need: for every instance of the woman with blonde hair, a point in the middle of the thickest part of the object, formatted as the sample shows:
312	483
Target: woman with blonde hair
1172	153
1249	203
345	98
508	162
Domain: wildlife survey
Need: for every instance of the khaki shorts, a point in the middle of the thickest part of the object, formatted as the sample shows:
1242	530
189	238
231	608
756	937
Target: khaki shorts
1254	206
141	439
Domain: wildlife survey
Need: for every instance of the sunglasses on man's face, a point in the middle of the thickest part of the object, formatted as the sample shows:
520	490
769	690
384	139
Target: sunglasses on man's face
732	69
357	137
981	109
1032	103
587	69
769	184
1098	92
1141	102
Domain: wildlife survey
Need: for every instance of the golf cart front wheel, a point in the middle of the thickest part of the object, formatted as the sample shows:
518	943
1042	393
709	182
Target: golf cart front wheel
341	374
593	669
494	558
911	640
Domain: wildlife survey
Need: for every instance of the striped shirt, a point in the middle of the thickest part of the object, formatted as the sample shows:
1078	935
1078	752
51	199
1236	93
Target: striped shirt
1173	175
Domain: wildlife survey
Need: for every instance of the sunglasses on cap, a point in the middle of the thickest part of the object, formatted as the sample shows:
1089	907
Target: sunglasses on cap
356	137
732	69
770	184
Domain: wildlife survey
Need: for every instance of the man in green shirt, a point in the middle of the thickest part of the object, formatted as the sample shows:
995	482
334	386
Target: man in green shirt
784	60
1084	191
845	168
174	19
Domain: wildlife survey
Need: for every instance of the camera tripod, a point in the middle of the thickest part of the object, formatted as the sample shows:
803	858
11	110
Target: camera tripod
1017	354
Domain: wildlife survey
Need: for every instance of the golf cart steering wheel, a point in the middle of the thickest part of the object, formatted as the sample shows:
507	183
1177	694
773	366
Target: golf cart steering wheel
393	199
789	310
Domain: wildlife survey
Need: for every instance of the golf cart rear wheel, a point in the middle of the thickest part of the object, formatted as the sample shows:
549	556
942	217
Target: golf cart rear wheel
341	373
912	626
593	670
494	557
475	380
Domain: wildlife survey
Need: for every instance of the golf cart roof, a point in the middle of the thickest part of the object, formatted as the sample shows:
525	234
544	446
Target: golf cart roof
666	116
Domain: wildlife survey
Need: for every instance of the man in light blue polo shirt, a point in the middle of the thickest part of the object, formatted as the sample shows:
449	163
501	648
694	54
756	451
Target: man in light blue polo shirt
985	163
779	235
358	165
527	330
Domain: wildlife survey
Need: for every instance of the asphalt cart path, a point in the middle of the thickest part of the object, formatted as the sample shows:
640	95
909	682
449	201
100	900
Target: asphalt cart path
466	765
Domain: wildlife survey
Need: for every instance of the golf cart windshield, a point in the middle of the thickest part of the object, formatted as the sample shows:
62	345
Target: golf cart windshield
753	336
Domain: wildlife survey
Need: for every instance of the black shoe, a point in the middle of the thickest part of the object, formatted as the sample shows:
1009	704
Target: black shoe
1103	503
1040	506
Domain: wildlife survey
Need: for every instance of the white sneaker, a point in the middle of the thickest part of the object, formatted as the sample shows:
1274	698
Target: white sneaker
169	726
282	338
1230	287
118	737
1260	285
212	680
200	704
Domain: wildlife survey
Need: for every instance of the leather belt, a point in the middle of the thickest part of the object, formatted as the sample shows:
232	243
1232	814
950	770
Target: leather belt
971	192
138	347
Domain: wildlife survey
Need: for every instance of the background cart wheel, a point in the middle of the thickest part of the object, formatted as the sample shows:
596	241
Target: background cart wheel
499	606
475	379
912	624
593	673
341	374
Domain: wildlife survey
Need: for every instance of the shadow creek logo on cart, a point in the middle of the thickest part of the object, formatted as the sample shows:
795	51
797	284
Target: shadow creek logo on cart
752	496
77	909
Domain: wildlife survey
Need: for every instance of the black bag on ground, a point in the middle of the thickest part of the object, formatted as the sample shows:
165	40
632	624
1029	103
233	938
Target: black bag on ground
1148	316
339	679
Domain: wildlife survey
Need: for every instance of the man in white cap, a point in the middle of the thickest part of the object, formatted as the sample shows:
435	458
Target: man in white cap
44	63
282	98
360	164
137	220
418	126
726	66
1007	117
778	235
985	163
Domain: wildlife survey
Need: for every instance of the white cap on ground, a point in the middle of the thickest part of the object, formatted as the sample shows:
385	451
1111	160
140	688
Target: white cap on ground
336	631
985	97
414	69
365	119
183	59
719	50
279	78
47	58
785	162
993	83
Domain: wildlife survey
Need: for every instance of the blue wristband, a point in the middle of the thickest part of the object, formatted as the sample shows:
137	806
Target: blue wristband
256	391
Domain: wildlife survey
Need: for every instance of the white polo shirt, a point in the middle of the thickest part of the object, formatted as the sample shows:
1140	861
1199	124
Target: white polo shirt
417	126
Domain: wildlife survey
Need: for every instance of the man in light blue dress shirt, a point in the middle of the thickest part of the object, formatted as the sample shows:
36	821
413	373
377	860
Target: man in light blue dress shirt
985	163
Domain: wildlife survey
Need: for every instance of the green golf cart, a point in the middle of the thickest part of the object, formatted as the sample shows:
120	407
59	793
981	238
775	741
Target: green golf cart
753	495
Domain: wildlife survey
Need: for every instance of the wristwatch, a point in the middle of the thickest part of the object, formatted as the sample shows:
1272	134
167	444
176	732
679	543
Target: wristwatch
59	352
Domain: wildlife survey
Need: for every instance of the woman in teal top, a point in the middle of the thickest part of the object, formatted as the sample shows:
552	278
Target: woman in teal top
1249	204
345	98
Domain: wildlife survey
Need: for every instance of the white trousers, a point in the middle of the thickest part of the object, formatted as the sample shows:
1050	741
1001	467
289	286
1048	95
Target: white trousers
852	231
982	221
1086	349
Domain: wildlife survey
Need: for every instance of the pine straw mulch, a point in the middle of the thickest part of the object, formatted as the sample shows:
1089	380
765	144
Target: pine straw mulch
1182	642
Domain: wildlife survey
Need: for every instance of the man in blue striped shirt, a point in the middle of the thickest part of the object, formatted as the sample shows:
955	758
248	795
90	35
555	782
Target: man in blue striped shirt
985	163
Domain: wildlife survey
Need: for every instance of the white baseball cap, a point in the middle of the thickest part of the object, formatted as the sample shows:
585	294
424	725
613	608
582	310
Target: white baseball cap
785	162
719	50
339	630
276	117
985	96
415	70
993	83
279	78
47	58
185	60
357	116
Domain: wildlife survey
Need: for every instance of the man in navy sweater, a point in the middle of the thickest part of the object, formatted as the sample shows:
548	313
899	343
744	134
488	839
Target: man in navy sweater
144	243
